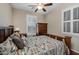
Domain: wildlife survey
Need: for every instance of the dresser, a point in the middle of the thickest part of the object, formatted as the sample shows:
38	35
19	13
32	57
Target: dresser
42	28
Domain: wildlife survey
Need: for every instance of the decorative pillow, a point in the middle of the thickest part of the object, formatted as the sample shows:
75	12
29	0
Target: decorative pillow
13	47
5	47
17	34
24	39
18	42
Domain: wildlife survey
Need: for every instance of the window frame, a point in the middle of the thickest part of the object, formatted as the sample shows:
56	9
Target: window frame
71	21
33	17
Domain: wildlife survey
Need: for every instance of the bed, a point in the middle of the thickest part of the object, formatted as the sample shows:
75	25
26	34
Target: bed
37	45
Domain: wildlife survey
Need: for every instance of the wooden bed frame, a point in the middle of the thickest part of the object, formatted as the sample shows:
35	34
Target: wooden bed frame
6	32
66	39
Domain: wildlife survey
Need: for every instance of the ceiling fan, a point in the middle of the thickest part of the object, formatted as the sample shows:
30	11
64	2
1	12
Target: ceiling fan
41	6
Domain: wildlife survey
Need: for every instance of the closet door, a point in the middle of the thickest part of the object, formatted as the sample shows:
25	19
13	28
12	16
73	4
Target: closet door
42	28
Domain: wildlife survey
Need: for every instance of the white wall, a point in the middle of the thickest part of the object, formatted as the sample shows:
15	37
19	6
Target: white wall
54	19
5	14
16	17
19	19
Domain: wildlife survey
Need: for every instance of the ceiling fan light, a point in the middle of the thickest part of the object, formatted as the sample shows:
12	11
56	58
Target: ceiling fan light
39	7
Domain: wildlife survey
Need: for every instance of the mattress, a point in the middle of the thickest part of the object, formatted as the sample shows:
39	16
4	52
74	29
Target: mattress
37	45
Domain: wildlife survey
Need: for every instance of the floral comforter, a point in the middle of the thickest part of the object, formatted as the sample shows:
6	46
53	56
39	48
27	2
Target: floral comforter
38	45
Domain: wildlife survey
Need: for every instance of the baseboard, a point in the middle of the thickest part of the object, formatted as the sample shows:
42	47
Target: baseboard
74	52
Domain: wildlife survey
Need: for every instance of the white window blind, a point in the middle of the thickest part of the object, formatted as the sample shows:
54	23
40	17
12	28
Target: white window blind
70	22
31	25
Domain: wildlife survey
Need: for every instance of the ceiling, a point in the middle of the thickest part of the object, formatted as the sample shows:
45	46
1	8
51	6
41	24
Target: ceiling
27	7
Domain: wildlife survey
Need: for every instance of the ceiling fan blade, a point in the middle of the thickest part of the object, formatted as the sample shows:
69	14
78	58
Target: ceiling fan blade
44	9
36	10
48	4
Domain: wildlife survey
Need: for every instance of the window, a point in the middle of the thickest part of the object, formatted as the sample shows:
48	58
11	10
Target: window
67	27
76	27
76	13
67	22
71	21
76	20
31	25
67	15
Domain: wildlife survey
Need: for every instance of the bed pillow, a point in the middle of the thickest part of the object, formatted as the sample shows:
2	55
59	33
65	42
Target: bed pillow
18	42
5	47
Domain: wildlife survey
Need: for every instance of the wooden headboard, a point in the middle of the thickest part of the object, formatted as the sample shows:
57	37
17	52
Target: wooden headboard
66	39
5	32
